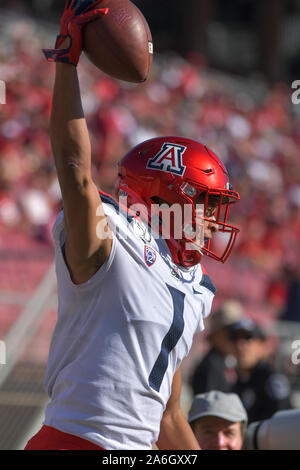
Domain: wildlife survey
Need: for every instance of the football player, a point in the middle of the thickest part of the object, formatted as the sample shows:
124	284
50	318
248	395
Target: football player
130	298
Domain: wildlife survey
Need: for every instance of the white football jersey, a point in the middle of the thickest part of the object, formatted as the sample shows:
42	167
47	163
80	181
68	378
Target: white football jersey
121	336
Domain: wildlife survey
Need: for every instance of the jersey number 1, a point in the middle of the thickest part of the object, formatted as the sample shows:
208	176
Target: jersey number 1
170	340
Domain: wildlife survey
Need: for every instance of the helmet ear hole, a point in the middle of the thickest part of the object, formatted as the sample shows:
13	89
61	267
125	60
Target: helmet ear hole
157	200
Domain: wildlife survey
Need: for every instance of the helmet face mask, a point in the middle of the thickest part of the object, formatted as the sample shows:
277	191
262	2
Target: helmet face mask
182	190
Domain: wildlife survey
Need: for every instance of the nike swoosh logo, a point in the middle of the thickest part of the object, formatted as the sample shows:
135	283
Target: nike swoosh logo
196	292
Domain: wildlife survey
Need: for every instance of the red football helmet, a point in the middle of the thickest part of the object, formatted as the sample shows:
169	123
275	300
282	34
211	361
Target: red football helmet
176	170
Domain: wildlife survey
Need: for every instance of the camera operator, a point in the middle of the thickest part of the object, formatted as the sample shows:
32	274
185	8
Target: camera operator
218	420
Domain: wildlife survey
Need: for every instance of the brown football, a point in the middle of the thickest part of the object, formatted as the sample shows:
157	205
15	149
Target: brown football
120	43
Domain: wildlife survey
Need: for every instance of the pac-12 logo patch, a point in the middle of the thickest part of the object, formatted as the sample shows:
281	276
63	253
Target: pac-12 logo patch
169	158
150	255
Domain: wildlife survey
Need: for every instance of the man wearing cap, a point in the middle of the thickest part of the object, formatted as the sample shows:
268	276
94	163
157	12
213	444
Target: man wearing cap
262	389
216	370
218	420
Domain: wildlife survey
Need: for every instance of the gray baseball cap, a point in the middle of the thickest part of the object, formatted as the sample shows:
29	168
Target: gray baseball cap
215	403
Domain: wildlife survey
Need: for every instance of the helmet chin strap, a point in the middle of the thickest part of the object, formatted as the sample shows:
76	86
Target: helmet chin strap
185	258
190	258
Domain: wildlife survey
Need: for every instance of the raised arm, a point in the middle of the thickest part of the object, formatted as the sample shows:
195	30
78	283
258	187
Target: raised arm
86	250
87	247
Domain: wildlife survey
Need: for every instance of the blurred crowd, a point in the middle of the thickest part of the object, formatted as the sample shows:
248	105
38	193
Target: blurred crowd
254	129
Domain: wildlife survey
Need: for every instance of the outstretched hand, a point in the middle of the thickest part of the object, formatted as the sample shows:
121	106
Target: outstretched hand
76	15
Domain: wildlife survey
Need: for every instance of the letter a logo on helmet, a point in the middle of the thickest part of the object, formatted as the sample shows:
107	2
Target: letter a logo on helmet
169	158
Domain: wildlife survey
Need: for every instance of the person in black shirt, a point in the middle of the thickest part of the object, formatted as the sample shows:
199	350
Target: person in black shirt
261	388
216	369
